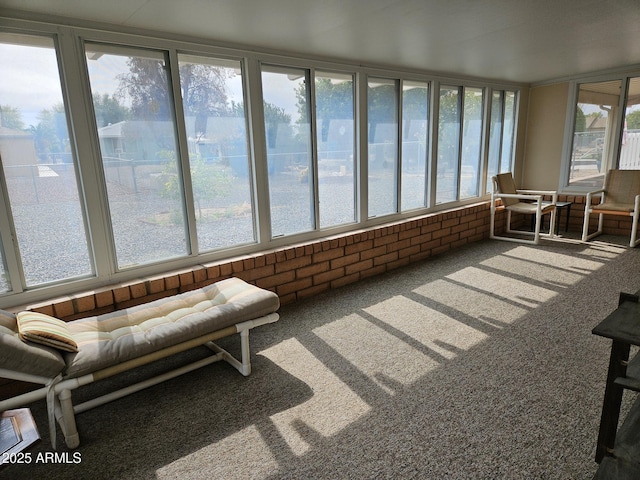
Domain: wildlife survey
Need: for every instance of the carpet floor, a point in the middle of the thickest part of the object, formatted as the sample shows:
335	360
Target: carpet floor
477	364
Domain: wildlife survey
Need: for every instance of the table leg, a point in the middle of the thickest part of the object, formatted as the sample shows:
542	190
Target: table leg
612	399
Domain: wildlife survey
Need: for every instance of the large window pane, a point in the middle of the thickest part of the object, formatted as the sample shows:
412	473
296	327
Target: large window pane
471	142
501	133
288	133
383	146
38	163
213	101
134	115
591	153
448	144
630	146
495	136
509	129
335	141
415	139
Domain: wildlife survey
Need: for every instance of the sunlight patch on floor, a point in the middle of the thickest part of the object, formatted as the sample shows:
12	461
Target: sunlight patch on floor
571	263
222	459
325	413
476	305
431	328
553	273
503	286
396	362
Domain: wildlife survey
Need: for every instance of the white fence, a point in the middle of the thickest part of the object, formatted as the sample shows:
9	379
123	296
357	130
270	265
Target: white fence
630	151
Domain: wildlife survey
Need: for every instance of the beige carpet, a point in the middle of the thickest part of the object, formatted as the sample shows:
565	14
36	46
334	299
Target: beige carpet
479	364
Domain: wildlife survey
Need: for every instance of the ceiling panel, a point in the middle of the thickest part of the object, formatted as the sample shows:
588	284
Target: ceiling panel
516	40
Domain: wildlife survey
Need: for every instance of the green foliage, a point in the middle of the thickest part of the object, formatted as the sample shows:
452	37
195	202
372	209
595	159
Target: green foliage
50	132
10	117
633	120
208	180
108	110
581	121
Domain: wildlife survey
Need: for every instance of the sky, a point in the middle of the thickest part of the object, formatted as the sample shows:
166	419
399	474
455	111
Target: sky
29	81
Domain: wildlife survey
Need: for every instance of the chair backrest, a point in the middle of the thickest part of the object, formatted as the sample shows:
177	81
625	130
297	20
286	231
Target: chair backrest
503	183
621	186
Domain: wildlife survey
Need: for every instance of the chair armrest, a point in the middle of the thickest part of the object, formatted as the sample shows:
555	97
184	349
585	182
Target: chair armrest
592	193
552	193
521	196
538	192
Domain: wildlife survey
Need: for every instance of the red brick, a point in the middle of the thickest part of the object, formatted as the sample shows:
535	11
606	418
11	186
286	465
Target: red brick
286	299
213	272
293	264
358	267
138	290
155	285
329	276
389	257
441	233
226	270
262	272
370	272
311	291
358	247
63	309
346	260
105	298
328	254
407	252
450	223
84	304
199	275
413	232
277	279
346	280
399	245
121	294
186	279
312	270
292	287
374	252
385	240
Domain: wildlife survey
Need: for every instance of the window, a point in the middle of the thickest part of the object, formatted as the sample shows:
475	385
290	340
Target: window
213	103
448	144
288	132
164	174
383	146
630	144
335	140
460	138
38	169
593	133
471	142
605	131
134	113
415	142
501	133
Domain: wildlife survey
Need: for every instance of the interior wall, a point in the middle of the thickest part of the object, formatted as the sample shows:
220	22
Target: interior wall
544	136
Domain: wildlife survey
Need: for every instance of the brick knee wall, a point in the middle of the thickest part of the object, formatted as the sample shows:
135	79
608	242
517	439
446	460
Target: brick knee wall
298	271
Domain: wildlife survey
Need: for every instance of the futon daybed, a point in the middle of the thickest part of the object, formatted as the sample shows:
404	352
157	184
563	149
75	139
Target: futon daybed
64	356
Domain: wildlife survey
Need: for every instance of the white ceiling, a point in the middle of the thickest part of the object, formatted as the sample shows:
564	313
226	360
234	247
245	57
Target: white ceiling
516	40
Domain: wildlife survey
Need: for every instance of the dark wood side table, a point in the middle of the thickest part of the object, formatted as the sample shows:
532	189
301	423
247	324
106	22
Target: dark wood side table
622	326
560	206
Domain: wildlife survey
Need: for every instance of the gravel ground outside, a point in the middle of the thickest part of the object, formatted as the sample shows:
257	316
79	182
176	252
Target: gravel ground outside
149	226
